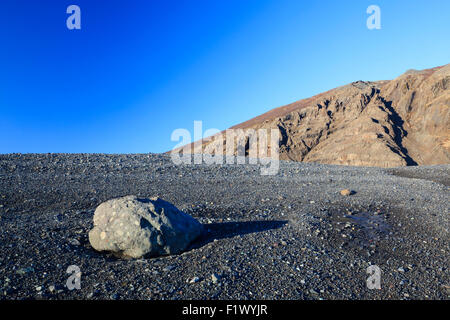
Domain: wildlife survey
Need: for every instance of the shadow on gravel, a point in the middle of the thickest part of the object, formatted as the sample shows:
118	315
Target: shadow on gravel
226	230
430	175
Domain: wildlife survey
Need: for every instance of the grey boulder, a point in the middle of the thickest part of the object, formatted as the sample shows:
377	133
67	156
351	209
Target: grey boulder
136	227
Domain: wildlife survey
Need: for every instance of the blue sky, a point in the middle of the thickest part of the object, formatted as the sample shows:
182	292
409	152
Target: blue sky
137	70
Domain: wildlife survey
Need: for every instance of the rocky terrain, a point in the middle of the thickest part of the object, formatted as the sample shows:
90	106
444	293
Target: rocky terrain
405	121
287	236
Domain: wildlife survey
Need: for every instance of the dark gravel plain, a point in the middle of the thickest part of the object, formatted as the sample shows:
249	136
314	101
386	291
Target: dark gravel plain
287	236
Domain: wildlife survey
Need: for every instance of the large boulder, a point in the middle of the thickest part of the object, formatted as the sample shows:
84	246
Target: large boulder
136	227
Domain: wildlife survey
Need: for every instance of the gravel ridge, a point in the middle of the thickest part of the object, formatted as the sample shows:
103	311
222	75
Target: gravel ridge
287	236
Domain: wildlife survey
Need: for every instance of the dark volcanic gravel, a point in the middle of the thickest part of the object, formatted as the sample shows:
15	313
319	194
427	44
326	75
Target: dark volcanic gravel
288	236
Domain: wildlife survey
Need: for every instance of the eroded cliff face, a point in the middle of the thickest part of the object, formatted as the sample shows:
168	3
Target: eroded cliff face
405	121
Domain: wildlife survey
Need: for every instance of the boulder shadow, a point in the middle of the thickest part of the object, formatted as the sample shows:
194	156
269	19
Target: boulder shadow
225	230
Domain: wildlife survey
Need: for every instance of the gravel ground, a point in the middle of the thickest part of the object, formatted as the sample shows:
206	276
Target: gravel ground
288	236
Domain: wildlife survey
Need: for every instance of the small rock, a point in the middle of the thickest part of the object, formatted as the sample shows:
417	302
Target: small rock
24	270
74	242
215	277
169	268
194	280
347	192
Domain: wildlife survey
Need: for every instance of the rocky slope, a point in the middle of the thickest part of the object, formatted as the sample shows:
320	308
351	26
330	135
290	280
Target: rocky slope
405	121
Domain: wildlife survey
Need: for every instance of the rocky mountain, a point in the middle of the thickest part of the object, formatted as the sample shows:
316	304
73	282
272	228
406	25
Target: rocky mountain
405	121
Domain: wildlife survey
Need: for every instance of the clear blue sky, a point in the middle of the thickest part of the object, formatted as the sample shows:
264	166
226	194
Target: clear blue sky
137	70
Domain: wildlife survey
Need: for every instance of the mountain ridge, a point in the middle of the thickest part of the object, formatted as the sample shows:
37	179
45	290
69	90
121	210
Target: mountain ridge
386	123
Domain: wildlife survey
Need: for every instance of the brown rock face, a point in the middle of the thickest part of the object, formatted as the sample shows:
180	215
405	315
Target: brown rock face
405	121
